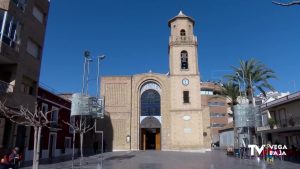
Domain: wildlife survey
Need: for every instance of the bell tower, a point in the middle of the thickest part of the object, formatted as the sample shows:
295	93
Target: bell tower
185	98
183	62
183	46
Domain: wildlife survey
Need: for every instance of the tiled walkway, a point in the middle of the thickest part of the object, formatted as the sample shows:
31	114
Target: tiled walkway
170	160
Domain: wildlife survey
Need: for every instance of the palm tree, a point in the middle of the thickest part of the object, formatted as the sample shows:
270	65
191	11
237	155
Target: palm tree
231	91
255	75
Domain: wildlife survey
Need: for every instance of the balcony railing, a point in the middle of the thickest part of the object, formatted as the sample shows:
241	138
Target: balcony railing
6	87
183	40
286	125
281	100
267	127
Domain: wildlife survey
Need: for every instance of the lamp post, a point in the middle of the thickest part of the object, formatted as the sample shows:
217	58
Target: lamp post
248	126
252	94
250	82
84	92
86	67
237	73
242	77
99	58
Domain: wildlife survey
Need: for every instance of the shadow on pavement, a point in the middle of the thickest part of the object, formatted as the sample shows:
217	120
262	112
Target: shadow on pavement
121	157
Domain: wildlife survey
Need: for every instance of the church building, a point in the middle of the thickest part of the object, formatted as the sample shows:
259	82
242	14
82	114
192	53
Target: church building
159	111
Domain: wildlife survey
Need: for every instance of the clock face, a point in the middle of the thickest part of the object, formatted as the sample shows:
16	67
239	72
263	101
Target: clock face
185	82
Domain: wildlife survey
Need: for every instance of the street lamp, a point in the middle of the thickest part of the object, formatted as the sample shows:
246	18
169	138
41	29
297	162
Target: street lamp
252	93
99	58
85	81
251	85
86	71
248	126
242	77
237	73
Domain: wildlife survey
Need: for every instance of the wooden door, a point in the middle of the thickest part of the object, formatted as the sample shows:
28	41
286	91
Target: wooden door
143	139
157	139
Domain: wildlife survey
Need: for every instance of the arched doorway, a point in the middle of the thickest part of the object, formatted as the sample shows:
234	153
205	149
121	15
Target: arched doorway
150	134
150	117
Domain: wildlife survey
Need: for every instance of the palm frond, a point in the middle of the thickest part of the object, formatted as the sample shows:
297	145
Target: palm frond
231	91
254	74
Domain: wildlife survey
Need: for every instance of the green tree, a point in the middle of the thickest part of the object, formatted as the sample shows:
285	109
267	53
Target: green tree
255	75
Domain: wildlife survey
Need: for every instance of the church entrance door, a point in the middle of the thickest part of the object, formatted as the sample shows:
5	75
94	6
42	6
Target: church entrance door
150	139
150	117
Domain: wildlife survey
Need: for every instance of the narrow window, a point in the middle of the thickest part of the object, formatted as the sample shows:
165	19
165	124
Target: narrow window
182	32
38	14
7	24
54	116
1	20
44	108
10	30
184	60
33	49
72	121
186	97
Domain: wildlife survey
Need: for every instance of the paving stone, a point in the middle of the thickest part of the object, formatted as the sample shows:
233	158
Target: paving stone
170	160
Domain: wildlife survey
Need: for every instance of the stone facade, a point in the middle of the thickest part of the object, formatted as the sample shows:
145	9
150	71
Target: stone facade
168	105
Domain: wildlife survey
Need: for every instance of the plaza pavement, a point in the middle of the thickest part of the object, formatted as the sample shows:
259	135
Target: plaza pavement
169	160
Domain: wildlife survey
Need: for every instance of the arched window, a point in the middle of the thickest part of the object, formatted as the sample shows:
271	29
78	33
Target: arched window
182	32
150	103
184	60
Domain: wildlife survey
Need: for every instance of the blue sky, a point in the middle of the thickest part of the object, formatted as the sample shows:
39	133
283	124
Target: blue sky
134	37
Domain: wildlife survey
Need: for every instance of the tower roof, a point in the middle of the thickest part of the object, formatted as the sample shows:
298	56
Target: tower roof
182	16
